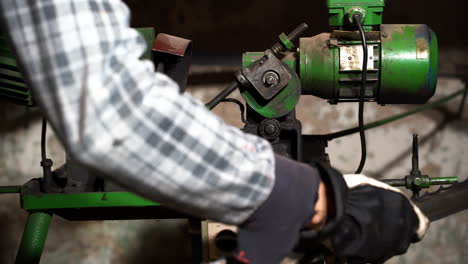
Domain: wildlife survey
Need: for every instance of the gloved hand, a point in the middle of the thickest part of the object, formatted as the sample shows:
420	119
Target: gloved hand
380	222
373	221
273	230
369	221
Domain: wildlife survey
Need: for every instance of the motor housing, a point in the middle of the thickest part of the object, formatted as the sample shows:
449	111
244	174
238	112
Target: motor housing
402	65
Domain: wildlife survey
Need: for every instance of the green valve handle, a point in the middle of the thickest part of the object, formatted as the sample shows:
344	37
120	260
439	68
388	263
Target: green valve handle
424	182
443	180
416	181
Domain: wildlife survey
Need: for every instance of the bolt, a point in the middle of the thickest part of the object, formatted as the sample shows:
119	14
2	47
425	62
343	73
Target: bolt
270	129
350	58
371	58
271	78
384	34
417	181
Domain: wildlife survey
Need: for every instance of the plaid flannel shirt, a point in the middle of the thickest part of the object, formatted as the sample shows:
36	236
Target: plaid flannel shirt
115	114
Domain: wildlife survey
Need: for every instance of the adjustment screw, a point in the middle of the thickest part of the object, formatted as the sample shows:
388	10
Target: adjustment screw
271	78
270	129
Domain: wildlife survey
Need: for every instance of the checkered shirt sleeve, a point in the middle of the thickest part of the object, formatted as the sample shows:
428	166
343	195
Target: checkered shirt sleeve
115	114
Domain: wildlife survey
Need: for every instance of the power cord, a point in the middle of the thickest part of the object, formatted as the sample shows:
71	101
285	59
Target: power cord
357	20
43	140
238	103
45	162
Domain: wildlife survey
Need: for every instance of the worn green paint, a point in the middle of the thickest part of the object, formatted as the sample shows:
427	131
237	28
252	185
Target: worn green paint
320	73
285	101
319	65
409	64
34	237
84	200
10	189
286	41
341	11
425	182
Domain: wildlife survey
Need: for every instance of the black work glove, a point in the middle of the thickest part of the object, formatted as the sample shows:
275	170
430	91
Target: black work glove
373	221
380	222
273	230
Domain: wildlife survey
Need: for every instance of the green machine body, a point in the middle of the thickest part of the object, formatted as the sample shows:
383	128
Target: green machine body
402	65
402	62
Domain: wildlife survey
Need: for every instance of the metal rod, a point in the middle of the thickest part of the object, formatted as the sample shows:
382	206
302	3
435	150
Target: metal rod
297	32
385	121
443	180
395	182
222	95
10	189
34	237
415	158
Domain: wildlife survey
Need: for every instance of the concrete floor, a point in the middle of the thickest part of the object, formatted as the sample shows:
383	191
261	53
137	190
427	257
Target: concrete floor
442	152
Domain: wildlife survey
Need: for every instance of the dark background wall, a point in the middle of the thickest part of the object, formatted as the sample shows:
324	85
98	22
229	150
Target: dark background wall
221	26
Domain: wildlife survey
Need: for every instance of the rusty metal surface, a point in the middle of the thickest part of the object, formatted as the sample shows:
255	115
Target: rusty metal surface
171	44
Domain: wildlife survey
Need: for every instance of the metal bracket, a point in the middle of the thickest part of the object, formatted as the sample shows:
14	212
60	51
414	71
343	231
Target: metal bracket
172	56
267	75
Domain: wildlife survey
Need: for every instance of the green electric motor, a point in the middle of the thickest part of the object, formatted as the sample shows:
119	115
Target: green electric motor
402	59
402	65
402	62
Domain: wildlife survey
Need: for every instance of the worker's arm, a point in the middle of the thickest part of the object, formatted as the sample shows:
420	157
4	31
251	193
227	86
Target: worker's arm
115	114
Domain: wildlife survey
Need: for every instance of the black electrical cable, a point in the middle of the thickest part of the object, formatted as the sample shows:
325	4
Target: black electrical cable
357	20
43	140
46	164
241	106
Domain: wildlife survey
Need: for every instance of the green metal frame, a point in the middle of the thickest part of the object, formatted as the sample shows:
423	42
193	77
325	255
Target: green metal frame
34	238
10	189
84	200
